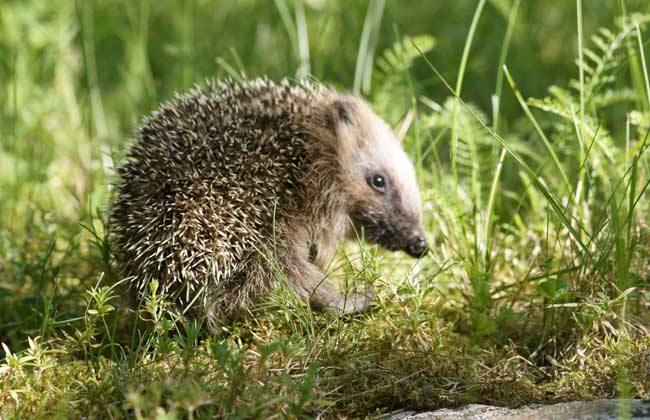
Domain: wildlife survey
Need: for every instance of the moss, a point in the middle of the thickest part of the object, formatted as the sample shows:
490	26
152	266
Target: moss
363	366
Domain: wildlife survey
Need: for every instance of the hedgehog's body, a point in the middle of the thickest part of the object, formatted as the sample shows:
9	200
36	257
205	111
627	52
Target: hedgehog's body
223	182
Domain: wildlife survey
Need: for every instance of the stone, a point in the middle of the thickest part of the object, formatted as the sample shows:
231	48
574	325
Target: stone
593	410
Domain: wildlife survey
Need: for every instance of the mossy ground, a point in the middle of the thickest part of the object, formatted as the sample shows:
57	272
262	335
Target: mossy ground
367	366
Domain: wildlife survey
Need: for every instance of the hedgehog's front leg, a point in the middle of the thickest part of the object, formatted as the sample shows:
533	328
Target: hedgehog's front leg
312	284
323	295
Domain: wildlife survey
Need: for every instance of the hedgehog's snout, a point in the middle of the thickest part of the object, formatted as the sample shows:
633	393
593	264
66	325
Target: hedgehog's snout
417	246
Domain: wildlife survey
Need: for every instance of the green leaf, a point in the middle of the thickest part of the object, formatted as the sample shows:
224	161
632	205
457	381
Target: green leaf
552	288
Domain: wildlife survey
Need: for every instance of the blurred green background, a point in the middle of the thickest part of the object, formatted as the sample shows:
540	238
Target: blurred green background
139	52
76	76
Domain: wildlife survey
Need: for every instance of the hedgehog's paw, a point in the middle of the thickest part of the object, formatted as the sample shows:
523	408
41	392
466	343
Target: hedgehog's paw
357	302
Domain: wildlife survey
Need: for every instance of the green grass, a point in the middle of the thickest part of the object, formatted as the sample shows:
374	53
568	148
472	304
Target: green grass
529	126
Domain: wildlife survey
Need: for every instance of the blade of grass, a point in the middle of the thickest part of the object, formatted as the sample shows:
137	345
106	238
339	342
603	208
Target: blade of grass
303	41
367	75
232	72
287	21
363	68
635	67
85	13
459	86
539	130
537	181
581	67
580	128
188	41
495	123
298	35
643	62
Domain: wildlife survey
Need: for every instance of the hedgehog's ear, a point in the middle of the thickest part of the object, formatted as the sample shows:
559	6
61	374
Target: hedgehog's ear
342	111
339	113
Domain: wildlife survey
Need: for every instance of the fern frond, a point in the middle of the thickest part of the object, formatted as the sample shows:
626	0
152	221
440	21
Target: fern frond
605	57
391	76
399	58
475	151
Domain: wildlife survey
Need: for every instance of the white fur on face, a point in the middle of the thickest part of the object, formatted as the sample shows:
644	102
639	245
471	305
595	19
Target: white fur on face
382	153
366	147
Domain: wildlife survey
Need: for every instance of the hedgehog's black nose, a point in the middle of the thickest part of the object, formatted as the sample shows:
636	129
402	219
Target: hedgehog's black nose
417	247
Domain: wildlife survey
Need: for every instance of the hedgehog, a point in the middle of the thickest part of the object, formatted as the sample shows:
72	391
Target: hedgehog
233	182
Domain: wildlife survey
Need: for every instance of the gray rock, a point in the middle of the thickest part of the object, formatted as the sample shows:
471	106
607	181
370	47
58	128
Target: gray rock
592	410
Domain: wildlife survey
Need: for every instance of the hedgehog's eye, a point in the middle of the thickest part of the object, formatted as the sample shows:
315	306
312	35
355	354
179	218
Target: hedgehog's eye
378	182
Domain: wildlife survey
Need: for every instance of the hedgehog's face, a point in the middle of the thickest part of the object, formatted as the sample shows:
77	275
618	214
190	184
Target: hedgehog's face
378	179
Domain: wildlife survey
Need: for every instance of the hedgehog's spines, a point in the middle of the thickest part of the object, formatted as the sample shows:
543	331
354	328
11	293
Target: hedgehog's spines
192	124
220	176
